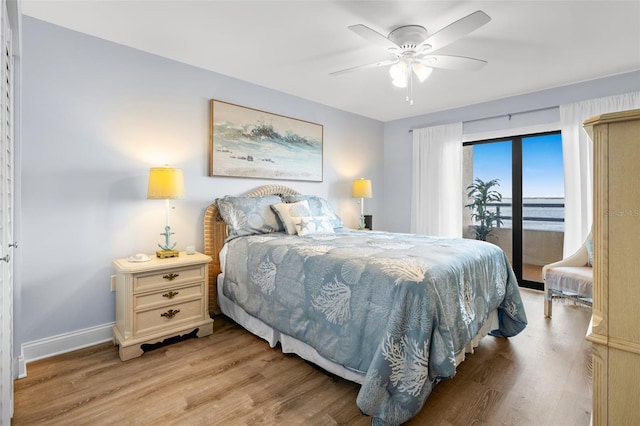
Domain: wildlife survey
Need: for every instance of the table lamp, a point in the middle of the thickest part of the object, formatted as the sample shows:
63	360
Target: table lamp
362	189
166	183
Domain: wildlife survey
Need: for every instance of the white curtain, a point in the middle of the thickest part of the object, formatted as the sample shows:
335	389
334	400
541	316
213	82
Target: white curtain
436	204
577	151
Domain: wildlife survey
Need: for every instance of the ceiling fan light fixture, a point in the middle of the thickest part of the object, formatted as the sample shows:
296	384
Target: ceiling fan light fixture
413	46
400	82
421	71
399	71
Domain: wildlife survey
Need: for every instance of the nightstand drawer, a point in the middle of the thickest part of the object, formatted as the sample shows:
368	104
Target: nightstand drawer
168	296
168	316
168	277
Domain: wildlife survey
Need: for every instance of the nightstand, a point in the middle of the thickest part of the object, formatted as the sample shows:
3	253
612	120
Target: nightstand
160	299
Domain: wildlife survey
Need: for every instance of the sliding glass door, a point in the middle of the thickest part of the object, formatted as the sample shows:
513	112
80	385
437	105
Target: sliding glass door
487	178
542	204
516	200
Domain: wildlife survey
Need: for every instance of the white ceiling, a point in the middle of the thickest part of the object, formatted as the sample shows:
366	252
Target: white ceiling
292	46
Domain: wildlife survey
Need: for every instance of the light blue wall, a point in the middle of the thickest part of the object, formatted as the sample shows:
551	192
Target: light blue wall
398	139
95	117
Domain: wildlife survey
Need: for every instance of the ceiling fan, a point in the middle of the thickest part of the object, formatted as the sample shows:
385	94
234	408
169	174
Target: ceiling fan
412	48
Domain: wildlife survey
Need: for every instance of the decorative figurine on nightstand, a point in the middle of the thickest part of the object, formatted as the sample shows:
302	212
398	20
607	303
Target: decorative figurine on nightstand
167	248
166	183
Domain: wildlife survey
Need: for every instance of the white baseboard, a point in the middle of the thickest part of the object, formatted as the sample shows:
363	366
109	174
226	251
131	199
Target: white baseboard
62	343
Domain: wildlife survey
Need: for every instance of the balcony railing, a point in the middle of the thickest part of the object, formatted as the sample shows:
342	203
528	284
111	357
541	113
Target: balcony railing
528	218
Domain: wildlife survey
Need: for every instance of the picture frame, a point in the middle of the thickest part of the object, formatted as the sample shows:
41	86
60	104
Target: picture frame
250	143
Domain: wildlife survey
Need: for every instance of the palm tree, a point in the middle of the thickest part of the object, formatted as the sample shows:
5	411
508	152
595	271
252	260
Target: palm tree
481	193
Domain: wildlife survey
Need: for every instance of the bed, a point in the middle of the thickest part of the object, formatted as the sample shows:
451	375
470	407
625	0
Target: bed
393	312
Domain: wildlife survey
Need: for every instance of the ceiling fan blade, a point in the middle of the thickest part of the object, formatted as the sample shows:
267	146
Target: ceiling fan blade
373	36
364	67
456	30
452	62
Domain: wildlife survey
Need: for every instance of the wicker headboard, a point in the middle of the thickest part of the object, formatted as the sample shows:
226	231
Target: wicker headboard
215	232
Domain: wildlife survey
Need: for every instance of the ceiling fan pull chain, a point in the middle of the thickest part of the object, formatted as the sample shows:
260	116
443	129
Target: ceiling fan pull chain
411	93
410	86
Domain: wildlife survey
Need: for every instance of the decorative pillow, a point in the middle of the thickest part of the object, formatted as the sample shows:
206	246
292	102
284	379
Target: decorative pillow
590	252
249	215
319	207
287	211
312	225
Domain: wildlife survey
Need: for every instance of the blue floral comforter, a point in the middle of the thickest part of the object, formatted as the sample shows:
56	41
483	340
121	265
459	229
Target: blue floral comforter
397	308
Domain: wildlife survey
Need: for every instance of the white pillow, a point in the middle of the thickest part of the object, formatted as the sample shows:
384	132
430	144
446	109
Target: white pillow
287	211
313	225
319	207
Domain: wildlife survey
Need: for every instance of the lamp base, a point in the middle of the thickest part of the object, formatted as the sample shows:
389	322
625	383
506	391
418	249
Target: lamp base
163	254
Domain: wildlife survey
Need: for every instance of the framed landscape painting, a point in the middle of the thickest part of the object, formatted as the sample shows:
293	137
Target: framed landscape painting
250	143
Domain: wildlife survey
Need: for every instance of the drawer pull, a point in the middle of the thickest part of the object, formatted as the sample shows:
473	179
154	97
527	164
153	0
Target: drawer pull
171	294
170	313
171	276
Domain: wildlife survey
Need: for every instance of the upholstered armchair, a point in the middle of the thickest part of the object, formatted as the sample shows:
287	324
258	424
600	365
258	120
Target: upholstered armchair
570	278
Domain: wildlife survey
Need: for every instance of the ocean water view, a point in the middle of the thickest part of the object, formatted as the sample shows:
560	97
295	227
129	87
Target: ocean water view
546	208
542	183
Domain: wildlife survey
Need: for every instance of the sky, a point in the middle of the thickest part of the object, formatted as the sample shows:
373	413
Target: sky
542	172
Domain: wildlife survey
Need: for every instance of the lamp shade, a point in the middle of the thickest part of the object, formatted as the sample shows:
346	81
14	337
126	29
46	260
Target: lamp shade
165	183
362	188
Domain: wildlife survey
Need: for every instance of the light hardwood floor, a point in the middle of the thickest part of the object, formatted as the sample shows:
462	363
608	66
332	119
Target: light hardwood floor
540	377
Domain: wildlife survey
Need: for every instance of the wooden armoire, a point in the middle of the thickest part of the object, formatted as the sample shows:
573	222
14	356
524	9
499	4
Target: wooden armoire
615	323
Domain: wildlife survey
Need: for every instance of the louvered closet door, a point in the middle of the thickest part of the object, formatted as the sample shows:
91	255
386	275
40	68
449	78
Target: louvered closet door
6	222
